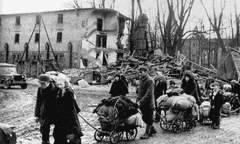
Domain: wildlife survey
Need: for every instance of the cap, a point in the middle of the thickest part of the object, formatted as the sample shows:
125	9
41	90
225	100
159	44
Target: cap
214	84
143	68
44	78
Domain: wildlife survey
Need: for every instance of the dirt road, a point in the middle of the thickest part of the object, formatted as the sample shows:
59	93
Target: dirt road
17	108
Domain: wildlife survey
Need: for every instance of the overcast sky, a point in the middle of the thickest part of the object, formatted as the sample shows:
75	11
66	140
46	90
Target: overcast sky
123	6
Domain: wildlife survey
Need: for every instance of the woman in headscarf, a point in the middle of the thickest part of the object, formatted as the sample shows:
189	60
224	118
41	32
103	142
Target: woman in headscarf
67	126
190	86
119	87
160	88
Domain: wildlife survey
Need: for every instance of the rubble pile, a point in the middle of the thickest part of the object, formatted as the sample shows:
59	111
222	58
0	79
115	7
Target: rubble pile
169	66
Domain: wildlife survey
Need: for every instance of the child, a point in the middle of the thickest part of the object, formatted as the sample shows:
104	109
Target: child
216	105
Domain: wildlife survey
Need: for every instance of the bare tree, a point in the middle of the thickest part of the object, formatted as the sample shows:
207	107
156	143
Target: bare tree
216	23
237	19
172	26
139	6
132	29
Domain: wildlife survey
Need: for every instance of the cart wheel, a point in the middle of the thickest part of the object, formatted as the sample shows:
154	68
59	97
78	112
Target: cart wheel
131	134
6	84
190	125
177	126
98	136
164	124
114	137
120	136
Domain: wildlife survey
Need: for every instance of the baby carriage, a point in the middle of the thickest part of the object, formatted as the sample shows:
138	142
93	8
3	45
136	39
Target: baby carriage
176	113
113	114
176	119
204	111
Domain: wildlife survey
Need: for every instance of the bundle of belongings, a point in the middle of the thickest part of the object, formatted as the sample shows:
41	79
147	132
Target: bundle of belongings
117	110
7	136
205	108
177	101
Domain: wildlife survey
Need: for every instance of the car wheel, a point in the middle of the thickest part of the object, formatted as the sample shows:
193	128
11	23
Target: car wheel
24	86
6	84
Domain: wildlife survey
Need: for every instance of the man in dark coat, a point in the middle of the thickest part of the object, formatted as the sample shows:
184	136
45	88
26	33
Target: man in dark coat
236	91
190	86
216	105
145	100
45	106
160	88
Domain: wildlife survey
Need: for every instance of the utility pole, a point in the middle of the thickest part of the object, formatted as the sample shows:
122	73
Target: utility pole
39	58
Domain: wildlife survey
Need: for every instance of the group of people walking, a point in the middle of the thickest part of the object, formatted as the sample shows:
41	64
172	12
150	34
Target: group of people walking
56	105
151	87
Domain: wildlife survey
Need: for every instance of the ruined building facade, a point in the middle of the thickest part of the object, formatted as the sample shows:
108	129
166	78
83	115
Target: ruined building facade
72	38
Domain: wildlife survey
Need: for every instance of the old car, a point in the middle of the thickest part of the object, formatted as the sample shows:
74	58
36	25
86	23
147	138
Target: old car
10	77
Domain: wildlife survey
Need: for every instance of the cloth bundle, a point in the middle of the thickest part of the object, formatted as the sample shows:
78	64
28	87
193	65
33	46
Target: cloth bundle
205	108
183	101
136	120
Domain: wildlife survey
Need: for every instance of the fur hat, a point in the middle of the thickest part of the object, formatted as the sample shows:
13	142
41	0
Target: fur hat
44	78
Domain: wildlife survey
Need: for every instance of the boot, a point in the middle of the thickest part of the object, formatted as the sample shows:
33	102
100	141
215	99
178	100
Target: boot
152	131
146	135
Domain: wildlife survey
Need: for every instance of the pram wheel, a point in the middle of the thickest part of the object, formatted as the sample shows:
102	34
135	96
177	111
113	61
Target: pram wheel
177	125
115	137
164	124
98	136
131	134
190	125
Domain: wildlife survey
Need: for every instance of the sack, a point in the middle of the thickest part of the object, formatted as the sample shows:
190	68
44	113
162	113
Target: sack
170	116
226	108
205	109
73	139
136	120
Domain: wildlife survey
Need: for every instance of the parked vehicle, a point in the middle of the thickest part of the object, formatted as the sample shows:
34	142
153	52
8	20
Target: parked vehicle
10	77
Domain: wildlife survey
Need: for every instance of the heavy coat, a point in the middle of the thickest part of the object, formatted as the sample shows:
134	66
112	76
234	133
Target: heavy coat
119	87
216	104
160	87
45	108
217	100
146	92
191	87
67	121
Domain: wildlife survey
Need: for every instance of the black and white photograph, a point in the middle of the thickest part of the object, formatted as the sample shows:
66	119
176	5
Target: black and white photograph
119	71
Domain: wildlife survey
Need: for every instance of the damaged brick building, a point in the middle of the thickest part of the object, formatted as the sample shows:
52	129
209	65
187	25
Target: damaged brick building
71	38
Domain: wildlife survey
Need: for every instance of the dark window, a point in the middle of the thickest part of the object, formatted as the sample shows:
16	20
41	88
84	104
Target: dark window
101	41
37	19
37	37
60	18
99	24
34	56
18	20
17	37
14	57
59	37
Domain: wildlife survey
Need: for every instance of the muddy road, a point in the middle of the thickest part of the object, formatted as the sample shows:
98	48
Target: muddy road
17	108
